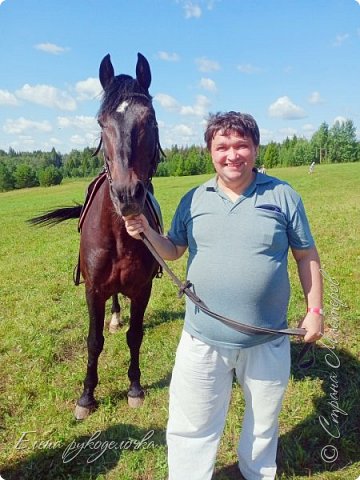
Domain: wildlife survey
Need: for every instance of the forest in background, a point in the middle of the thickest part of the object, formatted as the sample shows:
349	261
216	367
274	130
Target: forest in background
334	144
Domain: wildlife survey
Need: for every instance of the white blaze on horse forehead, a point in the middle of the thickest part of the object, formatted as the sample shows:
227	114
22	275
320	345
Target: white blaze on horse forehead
122	106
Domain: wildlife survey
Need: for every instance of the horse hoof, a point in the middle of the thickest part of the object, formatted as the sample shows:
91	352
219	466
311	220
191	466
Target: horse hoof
115	323
83	412
113	328
135	402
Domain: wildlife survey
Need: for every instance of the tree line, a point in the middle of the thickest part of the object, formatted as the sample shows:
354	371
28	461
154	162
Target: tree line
327	145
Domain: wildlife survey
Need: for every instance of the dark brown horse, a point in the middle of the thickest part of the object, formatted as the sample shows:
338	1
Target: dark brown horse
111	262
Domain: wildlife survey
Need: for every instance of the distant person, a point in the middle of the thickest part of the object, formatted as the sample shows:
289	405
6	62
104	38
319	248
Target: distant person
311	168
262	169
238	227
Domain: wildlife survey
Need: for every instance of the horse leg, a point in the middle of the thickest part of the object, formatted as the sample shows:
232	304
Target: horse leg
95	342
134	338
115	322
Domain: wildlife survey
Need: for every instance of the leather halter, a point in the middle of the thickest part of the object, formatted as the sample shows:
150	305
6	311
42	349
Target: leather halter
158	149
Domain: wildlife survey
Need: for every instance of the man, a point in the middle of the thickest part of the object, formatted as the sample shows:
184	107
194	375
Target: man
238	228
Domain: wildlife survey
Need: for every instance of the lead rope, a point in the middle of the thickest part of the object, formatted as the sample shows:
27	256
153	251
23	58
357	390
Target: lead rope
185	288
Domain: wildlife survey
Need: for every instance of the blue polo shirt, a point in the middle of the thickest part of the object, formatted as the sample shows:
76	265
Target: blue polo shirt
238	256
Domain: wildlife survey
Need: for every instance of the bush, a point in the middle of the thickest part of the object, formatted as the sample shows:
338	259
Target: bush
7	181
50	176
25	176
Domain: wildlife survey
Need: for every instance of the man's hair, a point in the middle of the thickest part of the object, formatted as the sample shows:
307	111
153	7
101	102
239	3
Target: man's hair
241	123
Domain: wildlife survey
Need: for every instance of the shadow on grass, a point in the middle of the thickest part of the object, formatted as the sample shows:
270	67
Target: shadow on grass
122	395
159	317
86	456
328	440
230	472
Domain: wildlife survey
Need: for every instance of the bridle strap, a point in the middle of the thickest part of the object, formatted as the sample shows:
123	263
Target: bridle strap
158	150
98	148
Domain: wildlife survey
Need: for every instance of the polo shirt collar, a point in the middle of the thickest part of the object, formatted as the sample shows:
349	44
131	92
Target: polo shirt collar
212	186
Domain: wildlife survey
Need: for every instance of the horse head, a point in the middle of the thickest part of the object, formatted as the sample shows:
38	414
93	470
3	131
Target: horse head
129	135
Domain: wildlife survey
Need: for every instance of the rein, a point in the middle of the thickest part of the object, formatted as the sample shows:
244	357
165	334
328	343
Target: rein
185	288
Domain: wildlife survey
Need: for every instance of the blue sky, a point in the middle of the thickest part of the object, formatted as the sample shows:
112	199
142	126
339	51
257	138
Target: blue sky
292	64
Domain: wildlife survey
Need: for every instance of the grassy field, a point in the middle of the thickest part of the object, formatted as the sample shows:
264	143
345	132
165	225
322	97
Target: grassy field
43	328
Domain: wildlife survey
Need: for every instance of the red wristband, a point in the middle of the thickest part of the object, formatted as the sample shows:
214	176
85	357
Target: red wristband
317	310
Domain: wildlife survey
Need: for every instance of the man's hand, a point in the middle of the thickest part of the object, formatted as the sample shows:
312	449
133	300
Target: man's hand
135	225
314	326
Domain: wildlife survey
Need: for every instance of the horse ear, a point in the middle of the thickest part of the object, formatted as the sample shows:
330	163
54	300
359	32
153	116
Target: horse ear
143	73
106	71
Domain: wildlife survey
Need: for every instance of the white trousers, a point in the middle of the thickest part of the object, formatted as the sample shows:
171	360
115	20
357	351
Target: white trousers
200	393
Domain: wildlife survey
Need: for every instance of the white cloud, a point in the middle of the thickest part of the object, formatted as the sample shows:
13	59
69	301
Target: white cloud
47	96
51	48
77	140
208	84
266	135
357	1
88	89
168	57
54	141
7	98
79	121
315	97
183	130
211	3
284	108
288	131
249	69
340	39
166	101
288	69
192	10
21	125
85	140
2	1
339	119
206	65
308	128
199	109
181	134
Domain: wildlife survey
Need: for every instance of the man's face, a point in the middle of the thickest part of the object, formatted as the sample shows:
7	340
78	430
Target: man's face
233	157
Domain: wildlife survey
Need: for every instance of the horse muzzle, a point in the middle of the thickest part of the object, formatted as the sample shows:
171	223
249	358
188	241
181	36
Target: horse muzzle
128	200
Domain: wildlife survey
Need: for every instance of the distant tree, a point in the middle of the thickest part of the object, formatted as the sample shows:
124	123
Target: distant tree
50	176
271	155
320	143
342	142
286	154
7	181
52	158
25	176
163	169
302	153
95	165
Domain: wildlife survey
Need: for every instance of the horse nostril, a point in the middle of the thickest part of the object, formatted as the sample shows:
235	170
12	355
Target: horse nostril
118	194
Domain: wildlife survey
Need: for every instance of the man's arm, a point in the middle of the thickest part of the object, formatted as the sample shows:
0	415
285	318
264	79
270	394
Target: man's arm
308	264
162	244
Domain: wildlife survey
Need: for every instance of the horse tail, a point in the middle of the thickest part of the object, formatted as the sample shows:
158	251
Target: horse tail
53	217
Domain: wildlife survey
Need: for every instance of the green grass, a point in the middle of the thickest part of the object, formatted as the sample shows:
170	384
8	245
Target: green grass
43	329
